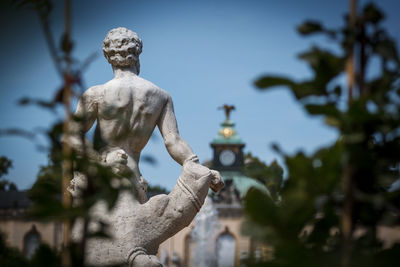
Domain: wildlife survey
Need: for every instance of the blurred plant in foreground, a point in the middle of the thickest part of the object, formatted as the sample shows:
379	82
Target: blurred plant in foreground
51	199
269	175
336	200
6	185
10	257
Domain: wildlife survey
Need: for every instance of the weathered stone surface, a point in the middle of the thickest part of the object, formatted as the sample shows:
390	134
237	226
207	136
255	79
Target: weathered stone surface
127	110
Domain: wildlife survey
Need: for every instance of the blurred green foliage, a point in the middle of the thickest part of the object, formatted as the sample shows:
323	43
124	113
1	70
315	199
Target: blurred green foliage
306	227
49	202
269	175
45	256
157	189
6	185
12	257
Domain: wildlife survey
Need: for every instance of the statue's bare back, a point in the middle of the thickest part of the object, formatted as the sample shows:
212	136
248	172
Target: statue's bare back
128	111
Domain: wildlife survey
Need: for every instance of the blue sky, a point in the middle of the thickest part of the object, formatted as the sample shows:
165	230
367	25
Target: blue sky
204	53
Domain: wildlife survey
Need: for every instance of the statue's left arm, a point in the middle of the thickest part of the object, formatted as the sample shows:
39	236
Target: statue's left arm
179	150
177	147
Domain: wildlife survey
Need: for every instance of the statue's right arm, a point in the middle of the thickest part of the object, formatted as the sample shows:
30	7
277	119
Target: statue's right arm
179	150
83	119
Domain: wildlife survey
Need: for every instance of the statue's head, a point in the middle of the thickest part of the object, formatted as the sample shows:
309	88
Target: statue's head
122	48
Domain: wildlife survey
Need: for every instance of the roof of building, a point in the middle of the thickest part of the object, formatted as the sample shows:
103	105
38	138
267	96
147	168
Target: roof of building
243	183
227	134
14	200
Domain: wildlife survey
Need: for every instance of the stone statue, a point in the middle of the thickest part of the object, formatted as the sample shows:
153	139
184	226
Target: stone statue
127	110
228	109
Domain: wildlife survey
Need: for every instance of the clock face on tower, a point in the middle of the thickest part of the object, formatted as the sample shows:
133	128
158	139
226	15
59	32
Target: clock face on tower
227	157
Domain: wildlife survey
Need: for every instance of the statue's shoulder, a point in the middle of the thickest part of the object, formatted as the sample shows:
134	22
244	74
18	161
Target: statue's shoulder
93	93
96	89
154	89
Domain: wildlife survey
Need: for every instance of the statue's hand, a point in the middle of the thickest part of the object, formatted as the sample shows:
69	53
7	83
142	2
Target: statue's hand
117	160
217	183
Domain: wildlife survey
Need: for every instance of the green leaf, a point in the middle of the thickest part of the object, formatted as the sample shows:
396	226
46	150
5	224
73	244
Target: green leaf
325	65
41	103
387	50
5	164
372	13
17	132
334	122
272	81
149	159
337	90
309	27
276	148
329	110
257	200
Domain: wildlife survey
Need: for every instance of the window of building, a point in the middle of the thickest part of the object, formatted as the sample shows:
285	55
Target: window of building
226	249
31	242
189	250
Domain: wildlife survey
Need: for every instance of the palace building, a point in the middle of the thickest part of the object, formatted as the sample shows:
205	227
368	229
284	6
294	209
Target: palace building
214	238
21	231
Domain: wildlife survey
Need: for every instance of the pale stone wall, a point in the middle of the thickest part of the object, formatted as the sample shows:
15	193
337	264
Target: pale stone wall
178	242
15	230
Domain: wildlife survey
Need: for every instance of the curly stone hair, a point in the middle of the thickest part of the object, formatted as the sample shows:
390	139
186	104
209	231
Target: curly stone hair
122	48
